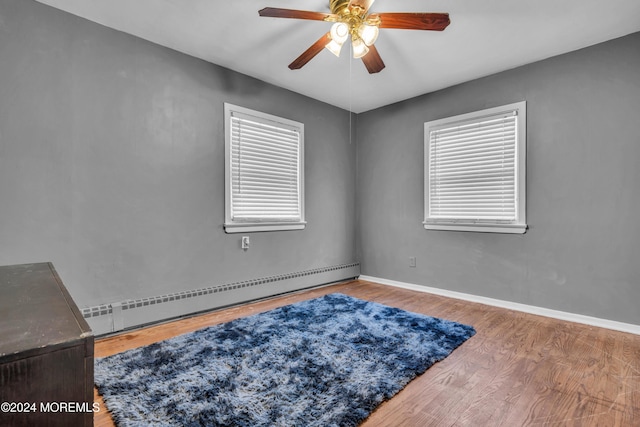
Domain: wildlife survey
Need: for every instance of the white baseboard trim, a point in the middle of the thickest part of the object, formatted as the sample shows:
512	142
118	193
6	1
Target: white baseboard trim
531	309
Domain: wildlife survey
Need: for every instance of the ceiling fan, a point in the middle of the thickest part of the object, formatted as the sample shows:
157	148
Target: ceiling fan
351	18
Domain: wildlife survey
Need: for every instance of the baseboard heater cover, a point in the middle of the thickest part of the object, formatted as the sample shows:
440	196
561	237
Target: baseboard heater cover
113	317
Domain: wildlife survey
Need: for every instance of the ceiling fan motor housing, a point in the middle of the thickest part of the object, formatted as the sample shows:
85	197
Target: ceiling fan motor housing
338	6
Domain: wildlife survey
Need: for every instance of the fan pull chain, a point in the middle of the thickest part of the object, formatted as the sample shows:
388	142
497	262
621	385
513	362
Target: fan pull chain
350	94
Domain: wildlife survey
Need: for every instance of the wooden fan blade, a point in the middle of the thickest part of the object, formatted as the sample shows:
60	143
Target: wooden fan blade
373	61
364	4
413	21
308	54
275	12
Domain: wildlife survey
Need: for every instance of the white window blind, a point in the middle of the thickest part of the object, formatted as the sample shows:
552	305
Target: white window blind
473	175
265	161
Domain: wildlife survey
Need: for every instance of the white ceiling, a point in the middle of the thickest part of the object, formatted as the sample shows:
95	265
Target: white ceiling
484	37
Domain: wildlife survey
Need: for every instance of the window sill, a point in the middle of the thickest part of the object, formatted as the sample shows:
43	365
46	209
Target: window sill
482	228
254	227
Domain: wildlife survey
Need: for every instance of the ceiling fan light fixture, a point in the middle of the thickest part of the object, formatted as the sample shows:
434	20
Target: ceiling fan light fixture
339	32
359	48
334	47
368	34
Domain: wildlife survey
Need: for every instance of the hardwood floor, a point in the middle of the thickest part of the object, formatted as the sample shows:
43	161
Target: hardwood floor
518	370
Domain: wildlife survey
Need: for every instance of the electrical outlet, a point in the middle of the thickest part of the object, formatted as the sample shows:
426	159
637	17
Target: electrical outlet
245	242
412	261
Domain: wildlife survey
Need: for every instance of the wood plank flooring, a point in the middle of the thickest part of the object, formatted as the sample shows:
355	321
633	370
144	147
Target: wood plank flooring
518	370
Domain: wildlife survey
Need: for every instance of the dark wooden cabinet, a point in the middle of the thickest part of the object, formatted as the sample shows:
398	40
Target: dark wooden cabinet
46	351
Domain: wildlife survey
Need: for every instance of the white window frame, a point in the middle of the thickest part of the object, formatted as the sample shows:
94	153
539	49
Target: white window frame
236	223
516	224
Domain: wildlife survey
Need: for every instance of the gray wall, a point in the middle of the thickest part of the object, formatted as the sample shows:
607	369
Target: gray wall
581	251
112	163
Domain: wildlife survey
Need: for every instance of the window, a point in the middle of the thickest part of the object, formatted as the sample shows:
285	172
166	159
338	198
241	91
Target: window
475	171
264	172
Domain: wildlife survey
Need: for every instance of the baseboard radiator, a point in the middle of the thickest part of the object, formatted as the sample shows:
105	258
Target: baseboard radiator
117	316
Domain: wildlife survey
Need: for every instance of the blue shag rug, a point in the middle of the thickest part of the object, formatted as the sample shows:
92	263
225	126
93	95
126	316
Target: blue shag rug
329	361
